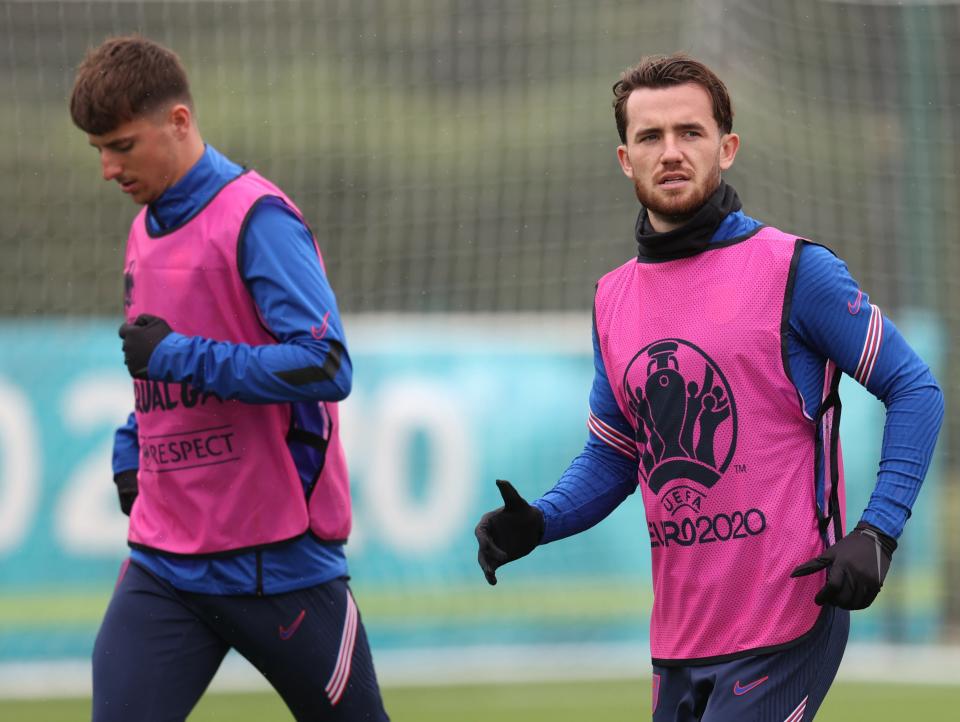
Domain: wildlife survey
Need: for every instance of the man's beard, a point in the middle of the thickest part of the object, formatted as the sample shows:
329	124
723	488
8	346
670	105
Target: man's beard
677	210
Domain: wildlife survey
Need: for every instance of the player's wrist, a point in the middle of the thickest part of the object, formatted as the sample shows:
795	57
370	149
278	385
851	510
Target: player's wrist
542	522
159	365
887	542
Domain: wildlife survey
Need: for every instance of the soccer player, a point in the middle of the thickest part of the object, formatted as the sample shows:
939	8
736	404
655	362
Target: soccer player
718	353
231	467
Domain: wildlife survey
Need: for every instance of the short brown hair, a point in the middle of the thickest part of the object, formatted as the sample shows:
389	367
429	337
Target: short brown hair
663	71
125	78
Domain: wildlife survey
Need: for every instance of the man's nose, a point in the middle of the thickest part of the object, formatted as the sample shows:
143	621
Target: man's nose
671	150
109	166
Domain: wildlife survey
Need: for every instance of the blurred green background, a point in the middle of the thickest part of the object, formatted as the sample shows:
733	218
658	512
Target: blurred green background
456	159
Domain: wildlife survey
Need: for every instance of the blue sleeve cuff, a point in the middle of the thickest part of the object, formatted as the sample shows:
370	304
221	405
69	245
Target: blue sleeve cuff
126	446
882	522
158	367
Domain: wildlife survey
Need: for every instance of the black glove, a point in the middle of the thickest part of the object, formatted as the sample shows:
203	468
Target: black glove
126	482
857	565
140	338
508	532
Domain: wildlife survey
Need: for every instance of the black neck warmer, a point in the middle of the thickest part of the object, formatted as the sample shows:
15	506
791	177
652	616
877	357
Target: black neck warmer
693	236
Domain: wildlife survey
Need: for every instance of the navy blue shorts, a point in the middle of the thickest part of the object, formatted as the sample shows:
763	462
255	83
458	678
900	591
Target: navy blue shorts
784	686
158	648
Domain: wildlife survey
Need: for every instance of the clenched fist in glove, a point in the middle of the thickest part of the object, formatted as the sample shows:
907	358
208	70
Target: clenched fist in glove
140	338
126	482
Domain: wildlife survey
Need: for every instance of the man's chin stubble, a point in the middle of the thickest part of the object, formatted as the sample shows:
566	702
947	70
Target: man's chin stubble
675	214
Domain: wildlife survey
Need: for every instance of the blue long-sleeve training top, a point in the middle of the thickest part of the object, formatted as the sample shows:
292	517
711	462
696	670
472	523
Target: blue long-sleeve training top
280	268
830	318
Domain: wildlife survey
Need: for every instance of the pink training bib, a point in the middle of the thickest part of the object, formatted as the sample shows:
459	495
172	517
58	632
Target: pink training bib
695	351
217	475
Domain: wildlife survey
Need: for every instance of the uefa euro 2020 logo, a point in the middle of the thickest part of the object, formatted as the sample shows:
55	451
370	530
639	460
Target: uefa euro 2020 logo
685	418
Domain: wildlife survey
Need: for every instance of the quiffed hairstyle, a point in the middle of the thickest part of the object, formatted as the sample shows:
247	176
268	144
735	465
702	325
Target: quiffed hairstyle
123	79
663	71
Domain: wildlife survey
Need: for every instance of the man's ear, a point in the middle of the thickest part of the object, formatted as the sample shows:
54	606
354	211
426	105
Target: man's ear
625	165
729	145
181	120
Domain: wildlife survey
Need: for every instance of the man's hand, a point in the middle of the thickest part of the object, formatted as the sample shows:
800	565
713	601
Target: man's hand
126	482
508	532
856	566
140	338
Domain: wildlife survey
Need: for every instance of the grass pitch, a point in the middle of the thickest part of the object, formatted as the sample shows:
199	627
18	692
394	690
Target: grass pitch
596	701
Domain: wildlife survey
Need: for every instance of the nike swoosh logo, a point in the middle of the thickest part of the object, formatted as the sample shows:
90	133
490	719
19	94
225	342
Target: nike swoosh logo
319	333
287	632
854	308
738	690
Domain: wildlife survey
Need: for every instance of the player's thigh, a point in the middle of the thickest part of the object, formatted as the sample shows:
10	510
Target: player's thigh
785	686
311	646
153	657
679	695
